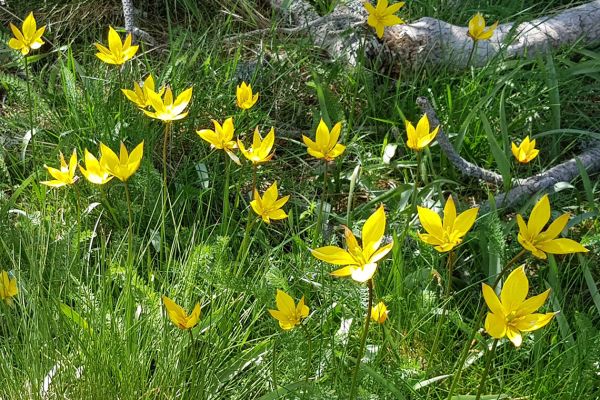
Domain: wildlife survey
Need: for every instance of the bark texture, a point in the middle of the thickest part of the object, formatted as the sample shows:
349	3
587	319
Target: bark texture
438	42
564	172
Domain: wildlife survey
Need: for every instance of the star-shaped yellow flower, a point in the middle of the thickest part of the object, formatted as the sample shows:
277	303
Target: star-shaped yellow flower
65	175
165	108
288	314
420	137
93	171
268	206
260	151
477	29
244	97
123	166
28	38
325	145
511	315
139	94
117	52
539	243
526	151
359	262
8	287
221	138
179	317
381	15
379	313
447	234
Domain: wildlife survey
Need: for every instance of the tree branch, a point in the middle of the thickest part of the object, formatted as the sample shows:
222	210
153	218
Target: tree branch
564	172
129	17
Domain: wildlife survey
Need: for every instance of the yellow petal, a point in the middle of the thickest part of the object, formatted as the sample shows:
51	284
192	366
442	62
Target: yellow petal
515	290
561	246
464	222
492	300
322	136
555	228
514	336
194	317
449	214
333	255
431	222
532	304
175	312
382	252
343	272
495	325
285	303
533	322
372	231
334	135
364	273
539	216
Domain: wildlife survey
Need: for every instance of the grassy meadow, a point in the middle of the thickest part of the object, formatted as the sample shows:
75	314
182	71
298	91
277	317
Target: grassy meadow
85	266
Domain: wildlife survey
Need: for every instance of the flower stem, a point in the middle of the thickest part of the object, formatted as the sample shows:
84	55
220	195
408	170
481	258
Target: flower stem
324	194
225	222
129	268
243	251
478	321
488	363
30	114
442	317
363	341
472	53
165	194
308	352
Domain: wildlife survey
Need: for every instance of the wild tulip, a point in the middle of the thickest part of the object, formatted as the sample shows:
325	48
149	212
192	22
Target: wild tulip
65	175
420	137
512	314
526	151
360	262
382	15
221	138
260	152
165	109
93	171
539	243
268	207
478	30
179	316
123	166
139	94
8	287
326	144
28	37
379	313
245	99
117	53
289	314
447	234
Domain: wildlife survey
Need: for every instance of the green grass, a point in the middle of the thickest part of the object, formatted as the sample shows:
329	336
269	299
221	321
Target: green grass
70	313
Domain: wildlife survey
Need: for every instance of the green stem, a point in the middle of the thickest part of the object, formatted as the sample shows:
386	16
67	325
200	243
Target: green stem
78	211
165	195
308	352
472	53
129	268
225	222
488	363
30	114
254	167
479	320
242	253
442	318
363	341
324	194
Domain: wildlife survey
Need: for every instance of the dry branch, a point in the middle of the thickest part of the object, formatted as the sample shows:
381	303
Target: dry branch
129	17
565	172
438	42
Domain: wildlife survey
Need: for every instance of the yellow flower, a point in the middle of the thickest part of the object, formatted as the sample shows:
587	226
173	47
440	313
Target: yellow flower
8	287
65	175
164	108
28	38
93	171
448	234
178	316
325	145
268	207
420	138
512	314
539	243
260	151
477	30
139	95
221	138
526	151
379	313
289	314
360	262
118	52
125	165
245	99
381	15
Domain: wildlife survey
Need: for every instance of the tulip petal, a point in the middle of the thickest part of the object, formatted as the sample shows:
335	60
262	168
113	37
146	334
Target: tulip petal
464	222
539	216
561	246
334	255
532	304
431	222
495	326
364	273
515	290
372	232
514	336
533	322
492	301
343	272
